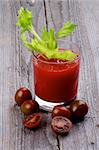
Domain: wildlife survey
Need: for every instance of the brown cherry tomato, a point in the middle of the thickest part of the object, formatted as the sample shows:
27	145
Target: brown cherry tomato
61	125
61	111
79	109
21	95
29	107
32	121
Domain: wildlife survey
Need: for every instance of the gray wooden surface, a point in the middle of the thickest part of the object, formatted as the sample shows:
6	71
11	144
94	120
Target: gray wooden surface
16	71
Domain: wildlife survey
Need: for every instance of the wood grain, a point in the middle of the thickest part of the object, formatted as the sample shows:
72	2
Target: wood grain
16	70
85	135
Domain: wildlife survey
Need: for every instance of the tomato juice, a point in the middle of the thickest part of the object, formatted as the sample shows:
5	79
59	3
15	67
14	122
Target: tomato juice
56	80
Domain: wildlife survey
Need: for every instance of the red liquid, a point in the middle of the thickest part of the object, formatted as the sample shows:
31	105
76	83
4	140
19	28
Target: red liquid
56	81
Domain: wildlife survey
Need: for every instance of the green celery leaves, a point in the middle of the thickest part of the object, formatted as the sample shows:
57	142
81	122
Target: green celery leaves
24	20
47	44
49	38
66	30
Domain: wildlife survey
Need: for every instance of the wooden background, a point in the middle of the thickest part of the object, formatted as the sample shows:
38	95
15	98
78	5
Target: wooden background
16	71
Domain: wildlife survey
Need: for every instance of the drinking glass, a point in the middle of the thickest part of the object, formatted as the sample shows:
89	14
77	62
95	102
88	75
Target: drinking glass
56	81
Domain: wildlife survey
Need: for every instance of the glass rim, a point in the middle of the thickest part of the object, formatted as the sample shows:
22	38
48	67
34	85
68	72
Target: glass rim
67	62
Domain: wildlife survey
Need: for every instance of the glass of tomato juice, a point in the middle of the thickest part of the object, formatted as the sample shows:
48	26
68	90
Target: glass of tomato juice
56	81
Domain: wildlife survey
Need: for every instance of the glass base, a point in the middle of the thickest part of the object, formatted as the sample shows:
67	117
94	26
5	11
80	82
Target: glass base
47	106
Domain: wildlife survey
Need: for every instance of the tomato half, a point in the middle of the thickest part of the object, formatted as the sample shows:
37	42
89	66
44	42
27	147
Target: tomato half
32	121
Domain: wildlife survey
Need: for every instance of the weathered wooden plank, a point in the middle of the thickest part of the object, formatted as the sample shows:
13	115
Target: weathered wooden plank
85	135
16	71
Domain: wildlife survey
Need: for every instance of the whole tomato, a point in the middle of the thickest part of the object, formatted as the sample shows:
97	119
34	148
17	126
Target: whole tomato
22	95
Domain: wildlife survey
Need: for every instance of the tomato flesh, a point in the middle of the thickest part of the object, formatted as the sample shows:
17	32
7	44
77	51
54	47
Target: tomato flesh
32	121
